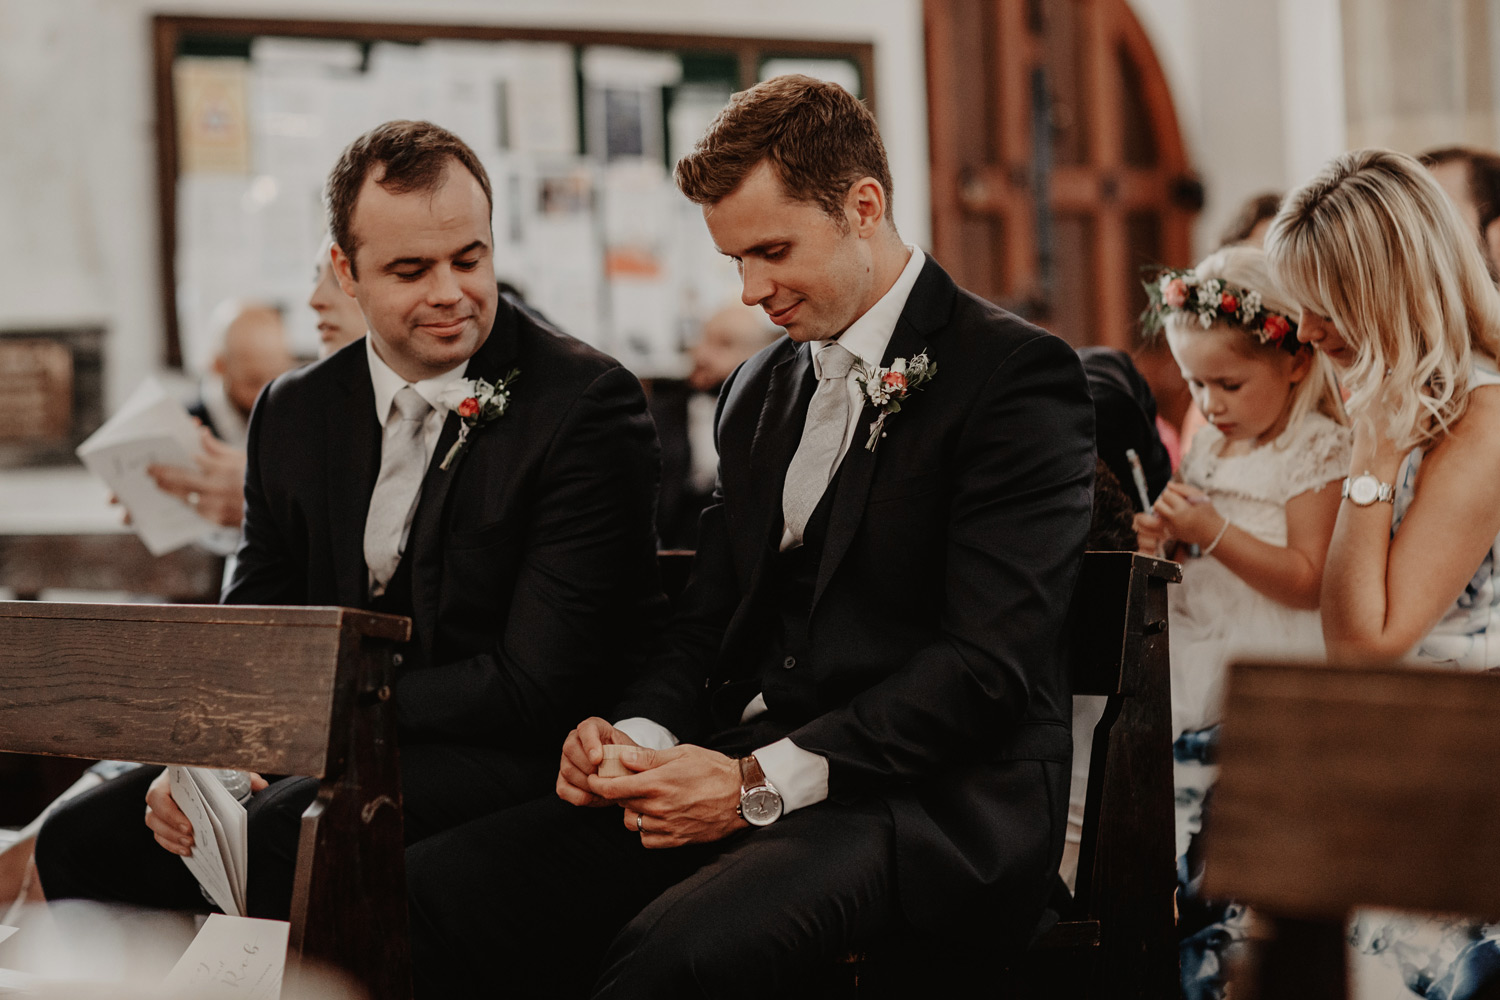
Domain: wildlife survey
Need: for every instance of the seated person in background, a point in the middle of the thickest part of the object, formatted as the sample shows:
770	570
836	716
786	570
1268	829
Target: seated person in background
1125	420
340	322
1471	178
252	351
684	415
1252	221
525	559
858	722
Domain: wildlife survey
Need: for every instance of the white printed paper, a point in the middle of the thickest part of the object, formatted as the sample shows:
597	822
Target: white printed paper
150	429
232	957
219	860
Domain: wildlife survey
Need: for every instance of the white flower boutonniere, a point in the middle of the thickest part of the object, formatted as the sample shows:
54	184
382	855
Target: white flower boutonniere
887	388
476	402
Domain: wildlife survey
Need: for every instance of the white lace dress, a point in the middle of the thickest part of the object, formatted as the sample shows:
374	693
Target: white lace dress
1216	616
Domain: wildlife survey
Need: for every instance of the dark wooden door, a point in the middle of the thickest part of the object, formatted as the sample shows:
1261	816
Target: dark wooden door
1057	165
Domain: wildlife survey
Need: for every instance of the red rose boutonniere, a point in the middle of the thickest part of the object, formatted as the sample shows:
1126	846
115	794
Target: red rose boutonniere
887	388
476	402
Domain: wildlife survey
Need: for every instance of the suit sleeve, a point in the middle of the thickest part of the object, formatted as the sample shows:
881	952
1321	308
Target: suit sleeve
266	571
1017	524
586	599
671	692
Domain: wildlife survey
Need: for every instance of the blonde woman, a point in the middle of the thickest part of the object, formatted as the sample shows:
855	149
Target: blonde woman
1394	290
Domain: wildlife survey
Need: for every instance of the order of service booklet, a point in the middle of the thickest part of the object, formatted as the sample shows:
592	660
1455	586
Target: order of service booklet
151	428
219	860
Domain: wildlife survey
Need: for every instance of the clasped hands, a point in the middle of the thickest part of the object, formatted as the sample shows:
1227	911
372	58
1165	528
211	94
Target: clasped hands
683	795
1182	513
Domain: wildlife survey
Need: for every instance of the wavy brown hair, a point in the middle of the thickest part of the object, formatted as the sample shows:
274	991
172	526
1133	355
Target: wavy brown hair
818	138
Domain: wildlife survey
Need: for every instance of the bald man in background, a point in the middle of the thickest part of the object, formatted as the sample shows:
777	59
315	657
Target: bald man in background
684	415
252	351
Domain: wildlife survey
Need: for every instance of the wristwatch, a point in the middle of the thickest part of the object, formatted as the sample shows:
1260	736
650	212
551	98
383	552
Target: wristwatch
1364	490
760	802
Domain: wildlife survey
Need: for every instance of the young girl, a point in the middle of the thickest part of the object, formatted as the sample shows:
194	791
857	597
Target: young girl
1394	289
1252	499
1252	513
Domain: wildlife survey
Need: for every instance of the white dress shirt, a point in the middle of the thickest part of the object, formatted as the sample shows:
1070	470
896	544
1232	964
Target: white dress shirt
386	384
801	776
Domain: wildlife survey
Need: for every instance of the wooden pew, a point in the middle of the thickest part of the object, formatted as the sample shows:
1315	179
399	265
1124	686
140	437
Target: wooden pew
1342	788
278	690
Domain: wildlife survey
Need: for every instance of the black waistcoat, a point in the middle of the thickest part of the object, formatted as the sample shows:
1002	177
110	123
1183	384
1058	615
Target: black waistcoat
782	668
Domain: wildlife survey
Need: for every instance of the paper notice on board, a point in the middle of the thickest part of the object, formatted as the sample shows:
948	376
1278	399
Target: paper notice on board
232	957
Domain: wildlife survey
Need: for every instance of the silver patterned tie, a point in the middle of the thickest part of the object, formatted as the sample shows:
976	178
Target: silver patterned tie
403	462
822	439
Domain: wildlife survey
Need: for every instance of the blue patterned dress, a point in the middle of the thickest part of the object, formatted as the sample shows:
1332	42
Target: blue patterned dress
1397	955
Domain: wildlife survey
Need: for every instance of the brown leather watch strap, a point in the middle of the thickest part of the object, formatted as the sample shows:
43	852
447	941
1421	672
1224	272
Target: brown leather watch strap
751	773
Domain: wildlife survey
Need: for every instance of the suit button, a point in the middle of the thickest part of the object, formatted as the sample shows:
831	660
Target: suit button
789	662
396	659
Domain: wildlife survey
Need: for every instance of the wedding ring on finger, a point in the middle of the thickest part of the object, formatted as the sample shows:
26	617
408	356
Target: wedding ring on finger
640	824
193	498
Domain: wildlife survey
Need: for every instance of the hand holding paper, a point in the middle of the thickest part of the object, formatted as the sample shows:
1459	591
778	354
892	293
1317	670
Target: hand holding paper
150	429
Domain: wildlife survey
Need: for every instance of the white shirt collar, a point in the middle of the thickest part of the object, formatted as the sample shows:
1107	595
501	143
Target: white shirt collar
868	336
387	383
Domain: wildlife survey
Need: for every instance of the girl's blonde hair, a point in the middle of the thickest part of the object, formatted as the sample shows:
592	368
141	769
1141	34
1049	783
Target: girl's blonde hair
1245	267
1373	244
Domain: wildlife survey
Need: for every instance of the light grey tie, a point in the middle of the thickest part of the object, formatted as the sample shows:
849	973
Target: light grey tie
403	462
822	439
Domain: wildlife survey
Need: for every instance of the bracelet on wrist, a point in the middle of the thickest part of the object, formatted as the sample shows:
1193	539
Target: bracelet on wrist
1208	550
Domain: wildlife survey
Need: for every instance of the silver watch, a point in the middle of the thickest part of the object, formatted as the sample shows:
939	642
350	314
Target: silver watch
1364	490
760	802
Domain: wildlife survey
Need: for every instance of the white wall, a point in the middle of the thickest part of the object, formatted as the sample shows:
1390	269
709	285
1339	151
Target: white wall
1258	86
77	181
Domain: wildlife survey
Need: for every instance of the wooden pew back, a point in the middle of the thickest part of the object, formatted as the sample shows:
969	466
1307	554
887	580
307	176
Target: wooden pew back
1342	788
1122	916
272	689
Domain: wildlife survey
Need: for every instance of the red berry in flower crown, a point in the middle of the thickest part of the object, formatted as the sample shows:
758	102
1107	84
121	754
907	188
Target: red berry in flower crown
1229	303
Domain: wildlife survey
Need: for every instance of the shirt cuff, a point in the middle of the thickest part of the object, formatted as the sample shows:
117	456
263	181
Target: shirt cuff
801	776
646	733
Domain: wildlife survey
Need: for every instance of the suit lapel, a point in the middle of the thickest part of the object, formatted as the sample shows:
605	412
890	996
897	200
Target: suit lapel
424	545
351	463
777	433
857	470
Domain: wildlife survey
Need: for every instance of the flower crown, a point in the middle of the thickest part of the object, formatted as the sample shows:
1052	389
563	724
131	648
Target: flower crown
1212	300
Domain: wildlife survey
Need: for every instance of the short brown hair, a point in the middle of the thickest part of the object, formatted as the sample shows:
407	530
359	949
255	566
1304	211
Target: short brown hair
818	138
414	155
1252	213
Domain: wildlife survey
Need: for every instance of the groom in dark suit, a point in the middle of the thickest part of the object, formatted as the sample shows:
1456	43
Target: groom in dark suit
525	556
860	719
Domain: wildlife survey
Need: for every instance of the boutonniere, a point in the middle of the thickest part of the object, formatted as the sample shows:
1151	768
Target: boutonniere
476	402
887	388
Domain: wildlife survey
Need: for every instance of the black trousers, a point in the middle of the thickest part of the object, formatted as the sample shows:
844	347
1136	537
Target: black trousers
552	900
97	846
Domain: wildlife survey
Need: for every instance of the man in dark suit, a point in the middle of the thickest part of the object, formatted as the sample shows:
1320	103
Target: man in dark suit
860	718
525	557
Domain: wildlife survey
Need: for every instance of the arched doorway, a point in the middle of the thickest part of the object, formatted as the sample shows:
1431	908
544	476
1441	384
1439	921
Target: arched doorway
1057	165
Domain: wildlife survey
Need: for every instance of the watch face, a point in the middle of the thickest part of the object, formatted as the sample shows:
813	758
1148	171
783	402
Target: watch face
760	806
1363	490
